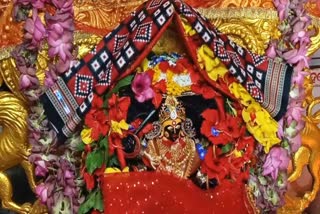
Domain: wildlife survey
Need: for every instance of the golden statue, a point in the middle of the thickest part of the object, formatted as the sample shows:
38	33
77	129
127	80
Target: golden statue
171	144
14	148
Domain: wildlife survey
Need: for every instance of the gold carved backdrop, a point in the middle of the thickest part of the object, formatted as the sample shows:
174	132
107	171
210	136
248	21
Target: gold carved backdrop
251	23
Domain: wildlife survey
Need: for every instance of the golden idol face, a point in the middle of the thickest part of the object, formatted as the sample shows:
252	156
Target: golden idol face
171	129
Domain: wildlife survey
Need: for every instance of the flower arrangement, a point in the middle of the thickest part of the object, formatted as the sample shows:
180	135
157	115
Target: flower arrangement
239	142
58	165
269	180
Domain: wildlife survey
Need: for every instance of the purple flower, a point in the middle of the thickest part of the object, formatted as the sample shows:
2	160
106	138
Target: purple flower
282	7
294	112
60	45
51	77
271	51
41	168
28	81
141	86
60	35
35	30
294	56
63	5
277	159
42	192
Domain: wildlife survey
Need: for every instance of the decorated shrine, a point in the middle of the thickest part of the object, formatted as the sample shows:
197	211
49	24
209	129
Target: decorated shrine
159	106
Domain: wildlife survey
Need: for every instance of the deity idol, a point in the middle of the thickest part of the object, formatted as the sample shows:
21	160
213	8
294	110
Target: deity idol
171	143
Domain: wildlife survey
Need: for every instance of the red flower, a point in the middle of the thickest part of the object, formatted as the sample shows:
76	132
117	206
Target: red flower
146	129
159	88
200	86
89	180
96	119
213	166
221	131
118	107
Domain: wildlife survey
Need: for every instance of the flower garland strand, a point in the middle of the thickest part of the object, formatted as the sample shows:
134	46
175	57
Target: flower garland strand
268	181
61	187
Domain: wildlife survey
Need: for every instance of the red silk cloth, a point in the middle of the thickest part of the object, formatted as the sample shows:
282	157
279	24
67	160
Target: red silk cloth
154	192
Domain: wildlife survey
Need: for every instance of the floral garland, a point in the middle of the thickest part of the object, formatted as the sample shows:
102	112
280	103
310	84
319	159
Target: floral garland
105	124
268	180
60	190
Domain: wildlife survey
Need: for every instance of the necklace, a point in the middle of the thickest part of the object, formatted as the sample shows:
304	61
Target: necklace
180	158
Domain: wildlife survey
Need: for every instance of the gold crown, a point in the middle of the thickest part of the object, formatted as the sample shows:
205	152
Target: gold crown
171	109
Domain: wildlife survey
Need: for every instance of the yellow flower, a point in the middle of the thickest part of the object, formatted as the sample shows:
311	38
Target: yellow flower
117	127
116	170
258	121
210	63
86	136
237	153
241	94
187	28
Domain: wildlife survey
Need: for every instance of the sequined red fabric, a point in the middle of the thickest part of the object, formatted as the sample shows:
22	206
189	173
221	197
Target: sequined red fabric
155	192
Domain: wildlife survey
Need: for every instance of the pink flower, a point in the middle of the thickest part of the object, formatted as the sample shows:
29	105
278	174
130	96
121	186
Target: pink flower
60	45
282	7
42	192
68	174
60	36
294	56
277	159
63	5
35	30
271	51
294	112
28	81
50	79
280	132
295	143
41	168
299	73
141	86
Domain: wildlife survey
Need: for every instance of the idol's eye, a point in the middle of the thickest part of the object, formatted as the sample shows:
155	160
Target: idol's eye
170	128
178	126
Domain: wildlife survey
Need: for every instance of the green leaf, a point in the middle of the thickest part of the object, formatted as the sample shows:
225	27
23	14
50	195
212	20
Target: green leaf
226	148
103	143
121	83
113	161
94	160
98	201
80	147
88	204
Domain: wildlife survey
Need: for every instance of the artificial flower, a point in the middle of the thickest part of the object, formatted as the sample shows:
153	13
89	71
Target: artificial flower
117	127
86	135
277	159
141	86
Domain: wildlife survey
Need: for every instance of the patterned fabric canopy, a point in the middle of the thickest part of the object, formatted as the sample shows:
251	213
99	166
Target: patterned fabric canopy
123	49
